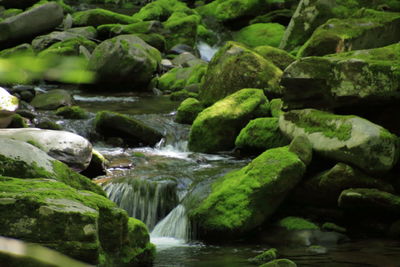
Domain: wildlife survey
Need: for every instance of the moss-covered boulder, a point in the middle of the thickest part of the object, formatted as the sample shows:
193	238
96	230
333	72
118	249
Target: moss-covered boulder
365	29
67	147
22	49
69	47
133	131
279	263
324	189
44	41
30	23
178	78
125	59
80	224
353	79
279	57
349	139
259	135
182	29
99	16
277	106
216	127
235	67
243	199
292	223
266	256
161	10
260	34
72	112
106	31
188	110
52	99
369	201
22	160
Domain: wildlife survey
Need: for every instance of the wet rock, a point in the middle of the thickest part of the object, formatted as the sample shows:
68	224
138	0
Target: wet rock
216	127
125	59
30	23
354	79
188	110
349	139
99	16
70	148
134	132
235	67
181	48
52	99
243	199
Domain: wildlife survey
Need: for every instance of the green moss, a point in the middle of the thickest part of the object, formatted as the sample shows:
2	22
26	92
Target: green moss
66	8
68	47
34	143
178	78
72	112
182	29
188	110
328	226
279	263
10	12
98	16
266	256
243	199
259	135
297	223
18	122
260	34
161	10
330	125
276	107
279	57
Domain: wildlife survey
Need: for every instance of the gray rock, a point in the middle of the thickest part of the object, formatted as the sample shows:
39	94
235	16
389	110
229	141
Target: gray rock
44	41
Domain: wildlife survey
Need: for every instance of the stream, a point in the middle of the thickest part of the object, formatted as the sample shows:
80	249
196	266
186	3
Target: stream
157	184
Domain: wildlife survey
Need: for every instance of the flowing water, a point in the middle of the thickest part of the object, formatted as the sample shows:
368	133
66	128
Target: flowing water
159	184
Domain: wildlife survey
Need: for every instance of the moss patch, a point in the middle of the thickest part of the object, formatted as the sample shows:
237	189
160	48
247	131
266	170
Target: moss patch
297	223
260	34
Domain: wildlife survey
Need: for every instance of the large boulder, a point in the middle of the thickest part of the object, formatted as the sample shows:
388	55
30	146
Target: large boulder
125	59
243	199
260	34
70	148
133	131
365	29
99	16
80	224
349	139
216	127
358	78
22	160
52	99
8	104
30	23
235	67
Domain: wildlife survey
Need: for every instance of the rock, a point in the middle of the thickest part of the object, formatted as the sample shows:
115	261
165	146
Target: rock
328	226
296	224
107	31
69	148
260	34
181	48
18	122
302	147
369	201
14	253
154	39
354	79
69	47
22	160
46	123
8	104
259	135
324	188
97	165
182	95
266	256
279	57
30	23
349	139
243	199
80	224
216	127
88	32
125	59
187	59
277	107
24	49
235	67
134	132
179	78
99	16
364	30
188	110
44	41
161	10
280	263
52	99
182	29
72	112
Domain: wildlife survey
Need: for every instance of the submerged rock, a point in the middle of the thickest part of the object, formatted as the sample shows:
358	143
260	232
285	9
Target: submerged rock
70	148
216	127
235	67
349	139
243	199
52	99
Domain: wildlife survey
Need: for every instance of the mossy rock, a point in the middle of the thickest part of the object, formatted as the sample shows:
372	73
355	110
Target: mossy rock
80	224
279	57
235	67
52	99
277	106
22	49
155	40
353	79
260	34
259	135
66	8
345	138
280	263
161	10
69	47
296	224
134	132
99	16
8	102
243	199
107	31
182	95
216	127
188	110
178	78
72	112
44	41
18	122
97	165
124	60
364	30
266	256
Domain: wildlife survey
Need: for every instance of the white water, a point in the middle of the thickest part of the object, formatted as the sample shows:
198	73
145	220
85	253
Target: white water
105	98
206	51
175	225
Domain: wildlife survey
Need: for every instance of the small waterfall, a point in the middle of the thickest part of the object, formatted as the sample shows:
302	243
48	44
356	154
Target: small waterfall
206	51
146	200
176	225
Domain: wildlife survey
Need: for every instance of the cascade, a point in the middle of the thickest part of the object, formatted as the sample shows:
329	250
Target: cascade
176	225
206	51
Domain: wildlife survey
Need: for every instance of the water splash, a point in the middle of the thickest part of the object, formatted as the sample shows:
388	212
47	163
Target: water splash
175	225
206	51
